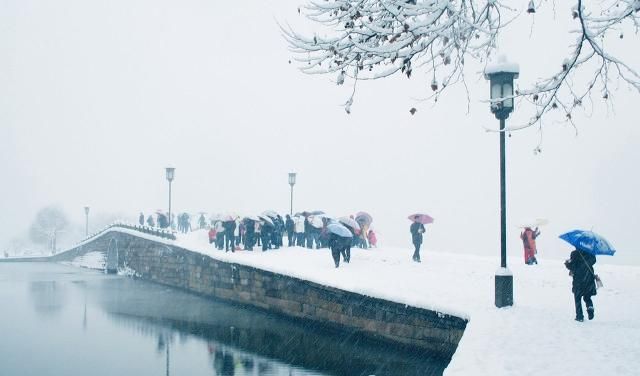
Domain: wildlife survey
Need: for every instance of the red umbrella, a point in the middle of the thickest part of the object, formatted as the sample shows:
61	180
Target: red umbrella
421	218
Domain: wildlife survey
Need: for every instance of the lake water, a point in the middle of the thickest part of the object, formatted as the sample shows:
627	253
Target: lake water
59	320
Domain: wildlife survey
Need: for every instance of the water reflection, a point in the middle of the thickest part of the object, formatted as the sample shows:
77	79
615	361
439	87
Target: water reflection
106	325
47	297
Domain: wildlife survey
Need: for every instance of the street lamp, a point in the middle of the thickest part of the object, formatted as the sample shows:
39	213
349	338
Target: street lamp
501	76
170	175
86	221
292	182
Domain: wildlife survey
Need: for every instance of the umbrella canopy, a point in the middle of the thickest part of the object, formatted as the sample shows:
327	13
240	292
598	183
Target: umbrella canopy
533	222
421	218
266	219
340	230
349	222
252	217
364	218
316	212
270	213
588	241
316	221
229	217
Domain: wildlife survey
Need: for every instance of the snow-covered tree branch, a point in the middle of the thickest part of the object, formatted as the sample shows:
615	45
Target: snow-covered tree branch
374	39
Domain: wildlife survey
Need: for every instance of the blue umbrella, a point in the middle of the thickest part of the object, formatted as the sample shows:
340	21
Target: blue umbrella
339	229
588	241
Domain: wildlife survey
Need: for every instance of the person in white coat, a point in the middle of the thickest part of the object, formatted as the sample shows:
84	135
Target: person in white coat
299	229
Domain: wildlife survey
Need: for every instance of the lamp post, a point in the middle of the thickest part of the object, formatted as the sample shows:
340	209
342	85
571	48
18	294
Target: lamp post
292	182
86	221
501	76
170	175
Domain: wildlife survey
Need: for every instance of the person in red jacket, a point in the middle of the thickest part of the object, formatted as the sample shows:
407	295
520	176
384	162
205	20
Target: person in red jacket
371	236
212	235
528	237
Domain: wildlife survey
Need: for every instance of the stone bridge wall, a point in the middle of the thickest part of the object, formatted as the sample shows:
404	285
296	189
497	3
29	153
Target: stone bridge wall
281	294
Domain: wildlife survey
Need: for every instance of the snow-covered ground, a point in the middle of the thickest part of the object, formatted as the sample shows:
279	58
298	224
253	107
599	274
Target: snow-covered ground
537	336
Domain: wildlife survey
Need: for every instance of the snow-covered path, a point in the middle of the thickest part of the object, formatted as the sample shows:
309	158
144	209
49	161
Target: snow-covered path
537	336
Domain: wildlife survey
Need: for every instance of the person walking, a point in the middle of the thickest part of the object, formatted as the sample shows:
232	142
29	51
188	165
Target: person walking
141	219
580	265
339	246
528	237
150	221
416	229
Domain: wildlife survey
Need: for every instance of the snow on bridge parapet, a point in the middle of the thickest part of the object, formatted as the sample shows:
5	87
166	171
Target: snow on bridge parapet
260	279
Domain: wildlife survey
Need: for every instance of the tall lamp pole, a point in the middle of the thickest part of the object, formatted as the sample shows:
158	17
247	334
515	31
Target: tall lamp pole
170	175
86	221
292	182
501	76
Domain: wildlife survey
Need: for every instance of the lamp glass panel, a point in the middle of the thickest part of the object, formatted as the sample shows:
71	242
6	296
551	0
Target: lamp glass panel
496	91
507	91
170	172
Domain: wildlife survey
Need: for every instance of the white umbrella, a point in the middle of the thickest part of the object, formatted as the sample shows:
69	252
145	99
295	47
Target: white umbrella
316	221
533	222
266	219
349	222
270	213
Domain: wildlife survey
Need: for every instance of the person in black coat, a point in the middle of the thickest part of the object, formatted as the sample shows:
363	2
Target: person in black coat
141	219
249	235
416	229
229	229
266	234
580	265
290	227
339	245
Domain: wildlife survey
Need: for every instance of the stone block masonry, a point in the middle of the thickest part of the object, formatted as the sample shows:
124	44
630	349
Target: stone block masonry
291	297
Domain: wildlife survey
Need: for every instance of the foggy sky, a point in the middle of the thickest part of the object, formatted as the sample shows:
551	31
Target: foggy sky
98	97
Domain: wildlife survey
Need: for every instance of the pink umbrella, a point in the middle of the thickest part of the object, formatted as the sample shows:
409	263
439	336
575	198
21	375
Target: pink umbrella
421	218
364	218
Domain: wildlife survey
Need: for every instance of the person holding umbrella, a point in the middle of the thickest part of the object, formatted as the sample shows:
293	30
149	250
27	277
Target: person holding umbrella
417	229
528	237
580	264
339	242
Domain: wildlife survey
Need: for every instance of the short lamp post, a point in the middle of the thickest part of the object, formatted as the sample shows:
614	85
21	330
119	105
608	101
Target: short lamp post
170	175
86	221
501	76
292	182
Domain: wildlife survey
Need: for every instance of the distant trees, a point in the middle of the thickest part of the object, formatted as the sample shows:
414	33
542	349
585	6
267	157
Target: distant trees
47	225
374	39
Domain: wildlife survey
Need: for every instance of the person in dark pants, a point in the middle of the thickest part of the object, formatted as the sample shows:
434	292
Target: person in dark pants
266	234
249	235
339	245
290	227
416	229
141	219
580	265
229	229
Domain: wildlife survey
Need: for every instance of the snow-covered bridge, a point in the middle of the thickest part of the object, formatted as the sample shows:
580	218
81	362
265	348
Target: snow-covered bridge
261	280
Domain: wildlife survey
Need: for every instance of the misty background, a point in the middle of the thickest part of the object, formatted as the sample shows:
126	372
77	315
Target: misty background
98	97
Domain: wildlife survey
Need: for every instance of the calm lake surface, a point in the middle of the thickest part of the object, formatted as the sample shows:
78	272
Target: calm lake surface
64	321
